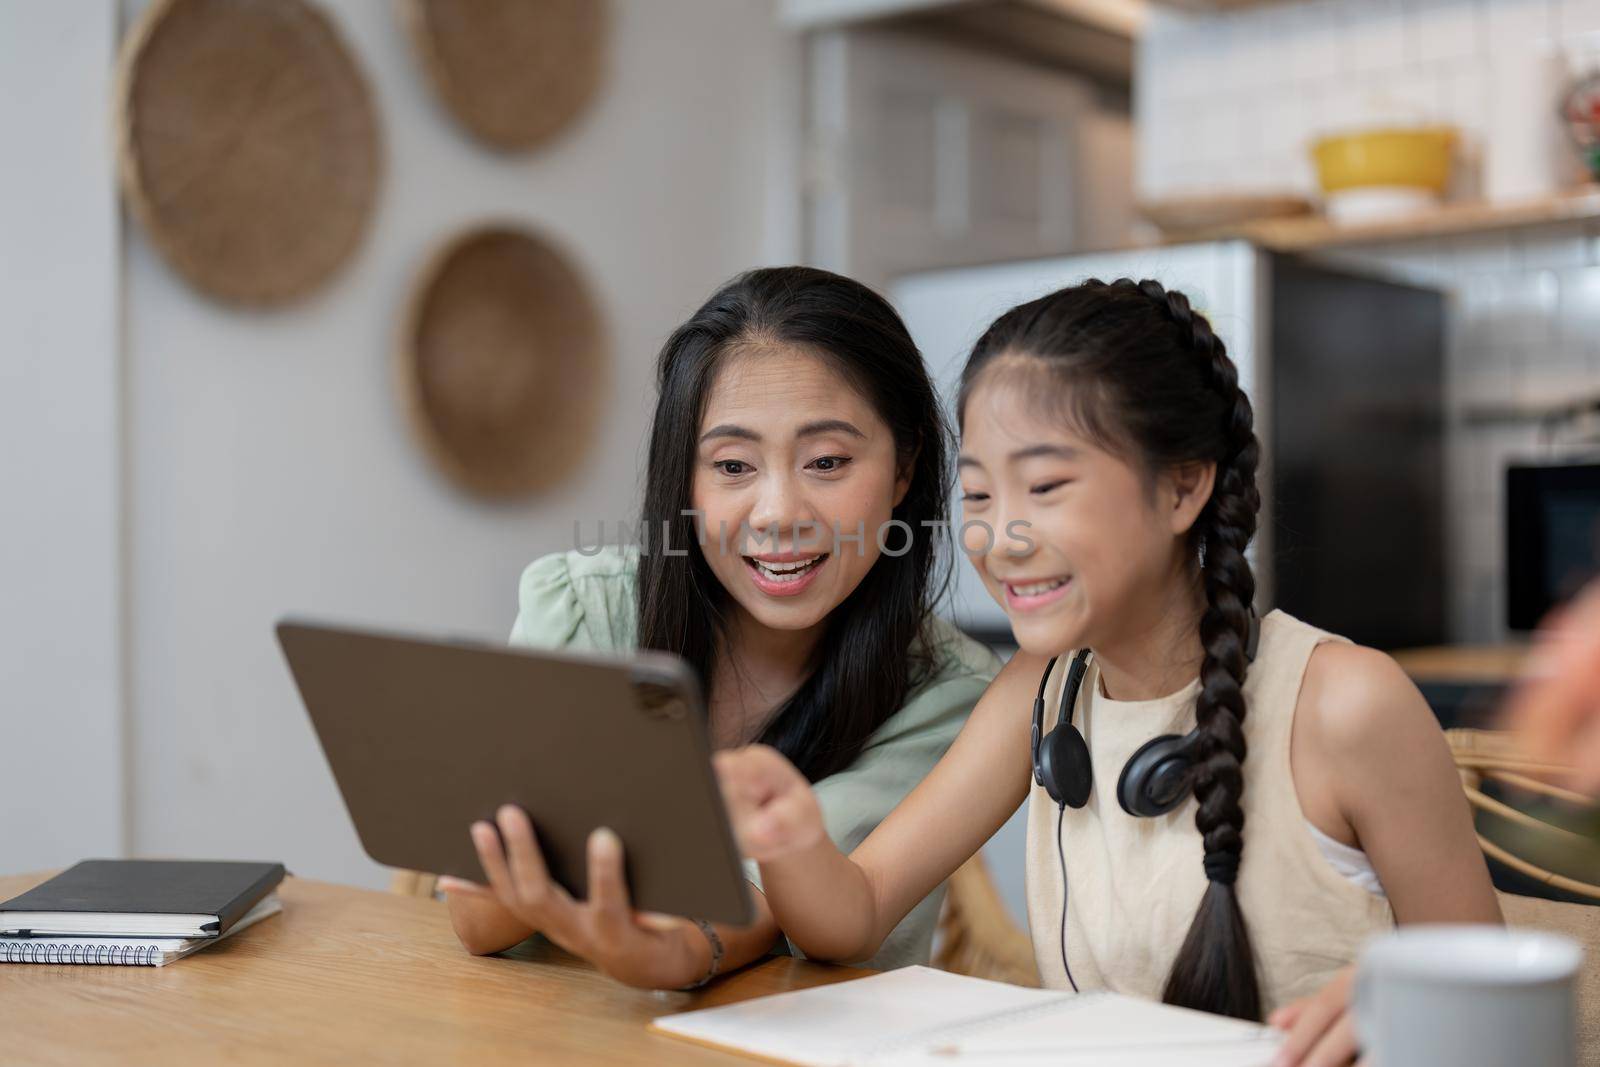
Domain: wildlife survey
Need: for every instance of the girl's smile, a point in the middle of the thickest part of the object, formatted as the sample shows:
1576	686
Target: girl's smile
1033	594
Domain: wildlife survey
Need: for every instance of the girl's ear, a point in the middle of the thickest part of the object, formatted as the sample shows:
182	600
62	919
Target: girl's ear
1189	491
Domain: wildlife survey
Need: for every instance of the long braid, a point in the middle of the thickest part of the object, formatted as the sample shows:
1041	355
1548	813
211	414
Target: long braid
1215	969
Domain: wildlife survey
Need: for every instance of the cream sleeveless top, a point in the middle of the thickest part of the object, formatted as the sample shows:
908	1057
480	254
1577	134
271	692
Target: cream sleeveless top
1134	884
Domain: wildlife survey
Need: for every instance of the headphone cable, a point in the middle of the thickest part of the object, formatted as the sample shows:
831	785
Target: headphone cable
1061	852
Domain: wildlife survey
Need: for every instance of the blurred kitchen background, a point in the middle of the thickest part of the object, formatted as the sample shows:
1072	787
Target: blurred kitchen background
1385	205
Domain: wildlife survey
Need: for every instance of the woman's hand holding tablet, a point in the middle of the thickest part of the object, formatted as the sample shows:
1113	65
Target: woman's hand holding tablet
637	948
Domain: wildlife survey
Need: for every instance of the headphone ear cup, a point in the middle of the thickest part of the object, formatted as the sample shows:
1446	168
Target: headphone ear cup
1064	767
1156	778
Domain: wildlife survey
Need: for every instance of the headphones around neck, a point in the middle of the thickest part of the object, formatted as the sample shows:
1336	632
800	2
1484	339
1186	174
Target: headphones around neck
1156	778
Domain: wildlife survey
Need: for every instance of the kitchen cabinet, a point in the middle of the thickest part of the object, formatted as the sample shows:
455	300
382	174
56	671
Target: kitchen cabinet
922	155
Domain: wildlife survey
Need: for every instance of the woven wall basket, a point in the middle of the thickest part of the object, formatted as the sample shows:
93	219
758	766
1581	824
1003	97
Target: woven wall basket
503	362
247	143
513	72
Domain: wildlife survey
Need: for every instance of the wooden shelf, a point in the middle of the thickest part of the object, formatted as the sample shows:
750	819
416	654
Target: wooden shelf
1209	7
1089	37
1313	232
1122	17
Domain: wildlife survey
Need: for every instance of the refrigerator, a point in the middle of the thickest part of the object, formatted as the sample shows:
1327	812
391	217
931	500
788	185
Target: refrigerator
1345	373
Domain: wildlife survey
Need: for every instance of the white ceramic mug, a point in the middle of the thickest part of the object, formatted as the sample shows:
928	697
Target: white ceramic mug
1468	996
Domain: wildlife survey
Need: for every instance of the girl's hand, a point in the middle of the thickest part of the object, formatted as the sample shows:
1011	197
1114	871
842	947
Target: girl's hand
1321	1027
1557	710
648	951
773	809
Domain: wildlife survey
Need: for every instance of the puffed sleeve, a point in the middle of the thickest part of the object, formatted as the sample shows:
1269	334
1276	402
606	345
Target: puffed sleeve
548	612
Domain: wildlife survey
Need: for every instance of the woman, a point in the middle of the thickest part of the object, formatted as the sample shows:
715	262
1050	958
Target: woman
795	491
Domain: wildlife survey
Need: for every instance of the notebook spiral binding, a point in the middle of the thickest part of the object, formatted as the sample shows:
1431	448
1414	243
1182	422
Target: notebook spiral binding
64	952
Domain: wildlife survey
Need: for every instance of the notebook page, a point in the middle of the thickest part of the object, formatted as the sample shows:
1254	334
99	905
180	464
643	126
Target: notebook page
1097	1028
1233	1054
846	1022
1106	1021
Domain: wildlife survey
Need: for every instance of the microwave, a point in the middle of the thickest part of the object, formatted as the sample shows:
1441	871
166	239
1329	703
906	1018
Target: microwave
1552	537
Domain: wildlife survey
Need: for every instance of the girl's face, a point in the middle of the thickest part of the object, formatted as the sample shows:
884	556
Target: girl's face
1085	550
789	453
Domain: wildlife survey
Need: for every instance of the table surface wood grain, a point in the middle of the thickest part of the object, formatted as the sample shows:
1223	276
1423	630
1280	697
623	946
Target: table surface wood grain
348	975
1464	664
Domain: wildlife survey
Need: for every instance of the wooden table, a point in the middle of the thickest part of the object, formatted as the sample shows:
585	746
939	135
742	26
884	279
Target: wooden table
1465	664
355	976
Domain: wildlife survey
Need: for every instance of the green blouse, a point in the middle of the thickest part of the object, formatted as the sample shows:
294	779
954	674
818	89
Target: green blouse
574	600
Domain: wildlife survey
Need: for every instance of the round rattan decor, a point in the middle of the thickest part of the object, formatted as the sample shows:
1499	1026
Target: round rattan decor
248	144
503	362
515	73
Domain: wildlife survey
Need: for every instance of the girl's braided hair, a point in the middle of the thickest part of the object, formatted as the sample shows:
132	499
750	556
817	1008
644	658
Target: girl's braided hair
1145	375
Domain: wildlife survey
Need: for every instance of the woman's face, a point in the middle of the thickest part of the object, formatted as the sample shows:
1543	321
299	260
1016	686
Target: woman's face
789	453
1083	547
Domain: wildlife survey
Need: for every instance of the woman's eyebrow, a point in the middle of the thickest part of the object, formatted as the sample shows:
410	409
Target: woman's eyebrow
727	429
810	429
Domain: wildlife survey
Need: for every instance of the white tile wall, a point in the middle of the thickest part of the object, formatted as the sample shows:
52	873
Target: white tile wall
1222	84
1232	102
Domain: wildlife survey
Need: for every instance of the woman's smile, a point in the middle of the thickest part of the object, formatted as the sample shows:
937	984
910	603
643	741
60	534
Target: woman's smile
785	574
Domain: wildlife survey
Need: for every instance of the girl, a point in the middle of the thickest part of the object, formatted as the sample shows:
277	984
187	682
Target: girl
1109	451
1558	707
795	421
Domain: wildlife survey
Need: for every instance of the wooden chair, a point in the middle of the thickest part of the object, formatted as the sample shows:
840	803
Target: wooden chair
1581	922
1497	756
413	884
978	937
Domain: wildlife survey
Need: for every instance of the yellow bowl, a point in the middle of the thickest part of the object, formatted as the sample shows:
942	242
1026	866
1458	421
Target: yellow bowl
1418	158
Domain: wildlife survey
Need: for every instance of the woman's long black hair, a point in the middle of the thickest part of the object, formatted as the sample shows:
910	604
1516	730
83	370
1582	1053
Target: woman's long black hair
870	655
1145	376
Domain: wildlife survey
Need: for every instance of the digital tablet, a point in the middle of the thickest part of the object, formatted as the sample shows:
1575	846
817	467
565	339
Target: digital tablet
424	737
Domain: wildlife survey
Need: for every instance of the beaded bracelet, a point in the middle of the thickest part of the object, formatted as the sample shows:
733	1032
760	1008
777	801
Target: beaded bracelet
716	953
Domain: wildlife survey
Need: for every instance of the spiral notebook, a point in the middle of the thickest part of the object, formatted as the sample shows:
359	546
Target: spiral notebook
921	1016
124	951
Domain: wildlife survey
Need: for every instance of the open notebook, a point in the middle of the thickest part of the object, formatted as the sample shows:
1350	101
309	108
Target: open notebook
918	1015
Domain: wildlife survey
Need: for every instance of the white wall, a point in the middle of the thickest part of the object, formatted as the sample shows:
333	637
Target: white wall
61	782
268	468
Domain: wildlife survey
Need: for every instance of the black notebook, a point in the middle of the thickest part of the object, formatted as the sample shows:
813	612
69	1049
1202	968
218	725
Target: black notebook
146	898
